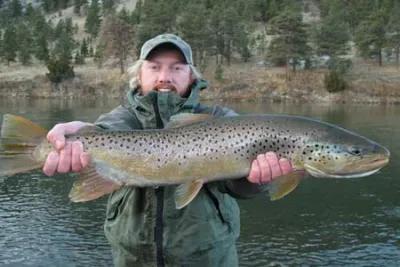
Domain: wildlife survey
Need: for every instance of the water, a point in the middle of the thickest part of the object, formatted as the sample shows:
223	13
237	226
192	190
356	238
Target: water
322	223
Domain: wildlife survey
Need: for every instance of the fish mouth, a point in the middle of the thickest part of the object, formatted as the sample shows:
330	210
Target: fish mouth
357	170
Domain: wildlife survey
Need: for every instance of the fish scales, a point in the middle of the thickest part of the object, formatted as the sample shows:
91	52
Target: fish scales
182	152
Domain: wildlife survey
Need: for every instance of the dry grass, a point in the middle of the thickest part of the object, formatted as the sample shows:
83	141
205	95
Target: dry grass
367	83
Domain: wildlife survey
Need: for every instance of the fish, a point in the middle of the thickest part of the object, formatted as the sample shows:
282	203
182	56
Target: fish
195	149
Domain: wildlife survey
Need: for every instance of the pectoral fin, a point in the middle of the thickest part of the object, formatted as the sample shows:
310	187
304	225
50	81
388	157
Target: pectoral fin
185	193
285	184
91	185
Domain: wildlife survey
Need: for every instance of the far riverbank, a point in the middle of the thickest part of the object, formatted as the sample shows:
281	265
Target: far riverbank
241	82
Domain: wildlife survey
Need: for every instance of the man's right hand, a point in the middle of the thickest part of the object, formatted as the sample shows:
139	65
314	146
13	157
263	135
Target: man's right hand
68	156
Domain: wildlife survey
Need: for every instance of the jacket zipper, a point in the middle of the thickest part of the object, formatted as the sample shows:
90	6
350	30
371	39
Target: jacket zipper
158	230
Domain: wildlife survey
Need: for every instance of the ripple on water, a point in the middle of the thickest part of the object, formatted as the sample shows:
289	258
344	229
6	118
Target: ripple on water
41	227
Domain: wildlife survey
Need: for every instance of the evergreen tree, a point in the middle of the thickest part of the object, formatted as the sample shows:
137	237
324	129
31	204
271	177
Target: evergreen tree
124	15
117	38
46	5
194	28
78	4
41	33
84	48
93	19
1	45
10	45
332	34
15	9
137	13
158	16
40	49
290	43
393	31
108	5
64	46
24	40
29	11
370	36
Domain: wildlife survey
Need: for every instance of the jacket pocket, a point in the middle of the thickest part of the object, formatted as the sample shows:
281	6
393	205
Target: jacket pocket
116	202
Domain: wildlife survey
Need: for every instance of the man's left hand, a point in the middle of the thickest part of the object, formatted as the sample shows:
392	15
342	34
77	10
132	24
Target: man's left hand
267	167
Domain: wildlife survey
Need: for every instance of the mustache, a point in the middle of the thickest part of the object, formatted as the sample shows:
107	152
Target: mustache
164	86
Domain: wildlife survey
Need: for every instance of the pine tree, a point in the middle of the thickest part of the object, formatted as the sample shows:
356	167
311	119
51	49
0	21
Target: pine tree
158	16
84	48
1	45
332	34
194	28
15	8
46	5
371	37
78	4
24	39
393	31
136	14
93	19
290	44
40	49
108	5
10	45
117	37
41	33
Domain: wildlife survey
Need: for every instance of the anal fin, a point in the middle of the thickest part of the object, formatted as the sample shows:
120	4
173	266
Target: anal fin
185	193
91	185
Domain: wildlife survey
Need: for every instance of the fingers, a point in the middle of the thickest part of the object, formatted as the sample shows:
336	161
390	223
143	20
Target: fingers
255	173
77	150
265	165
268	166
64	165
274	166
286	166
56	136
51	163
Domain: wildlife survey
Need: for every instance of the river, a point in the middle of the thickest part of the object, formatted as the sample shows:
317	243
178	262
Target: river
324	222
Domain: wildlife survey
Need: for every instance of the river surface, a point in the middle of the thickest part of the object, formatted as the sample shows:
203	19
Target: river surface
322	223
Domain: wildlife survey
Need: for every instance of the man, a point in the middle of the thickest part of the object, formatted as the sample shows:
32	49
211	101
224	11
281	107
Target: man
143	226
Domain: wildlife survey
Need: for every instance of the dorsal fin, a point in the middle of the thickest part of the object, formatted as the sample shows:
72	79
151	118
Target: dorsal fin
183	119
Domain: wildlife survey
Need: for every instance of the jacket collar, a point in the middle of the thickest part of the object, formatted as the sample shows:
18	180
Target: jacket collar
155	109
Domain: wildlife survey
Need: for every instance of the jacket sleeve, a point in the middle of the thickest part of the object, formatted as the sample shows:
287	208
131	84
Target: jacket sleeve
240	188
119	118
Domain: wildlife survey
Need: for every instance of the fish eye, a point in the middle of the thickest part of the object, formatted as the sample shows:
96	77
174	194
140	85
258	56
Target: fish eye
355	151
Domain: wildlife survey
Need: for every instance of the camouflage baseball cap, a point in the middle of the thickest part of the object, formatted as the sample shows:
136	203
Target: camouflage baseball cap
166	38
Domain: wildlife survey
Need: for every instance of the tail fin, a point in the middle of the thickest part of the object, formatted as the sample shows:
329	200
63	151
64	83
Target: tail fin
18	139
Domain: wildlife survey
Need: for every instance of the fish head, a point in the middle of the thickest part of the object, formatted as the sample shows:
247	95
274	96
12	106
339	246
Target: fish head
339	153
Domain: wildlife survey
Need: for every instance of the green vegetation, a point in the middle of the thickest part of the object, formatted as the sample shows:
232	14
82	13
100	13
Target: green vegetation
219	31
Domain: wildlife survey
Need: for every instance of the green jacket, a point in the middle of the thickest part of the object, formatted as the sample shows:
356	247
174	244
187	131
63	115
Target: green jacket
142	224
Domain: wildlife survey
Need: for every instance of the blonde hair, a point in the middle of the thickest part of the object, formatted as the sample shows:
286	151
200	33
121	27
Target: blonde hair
134	73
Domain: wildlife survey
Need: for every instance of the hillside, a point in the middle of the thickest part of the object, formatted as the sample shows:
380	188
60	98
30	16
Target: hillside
253	55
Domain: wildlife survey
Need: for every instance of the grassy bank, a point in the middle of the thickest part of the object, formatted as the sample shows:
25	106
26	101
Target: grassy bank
367	84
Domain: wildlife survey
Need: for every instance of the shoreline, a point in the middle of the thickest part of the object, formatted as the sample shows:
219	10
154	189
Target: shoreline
242	83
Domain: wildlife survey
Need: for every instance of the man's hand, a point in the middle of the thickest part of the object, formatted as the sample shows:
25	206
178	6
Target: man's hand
268	167
67	156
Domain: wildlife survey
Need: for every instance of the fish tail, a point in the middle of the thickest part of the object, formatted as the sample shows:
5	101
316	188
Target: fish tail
18	139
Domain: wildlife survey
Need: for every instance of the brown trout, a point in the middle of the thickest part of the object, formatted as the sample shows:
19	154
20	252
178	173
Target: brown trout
196	149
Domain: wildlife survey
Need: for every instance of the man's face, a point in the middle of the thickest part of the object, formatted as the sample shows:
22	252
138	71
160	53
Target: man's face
165	71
